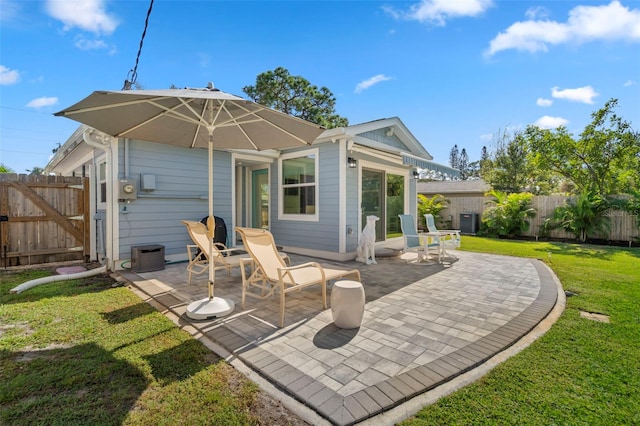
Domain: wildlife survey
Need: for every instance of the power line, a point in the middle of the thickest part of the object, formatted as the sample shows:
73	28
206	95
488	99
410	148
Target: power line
133	74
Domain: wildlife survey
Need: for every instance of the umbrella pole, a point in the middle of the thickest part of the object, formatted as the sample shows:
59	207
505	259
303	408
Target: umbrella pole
211	307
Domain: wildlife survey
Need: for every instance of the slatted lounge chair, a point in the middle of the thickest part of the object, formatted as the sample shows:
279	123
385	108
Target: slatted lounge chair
422	243
270	274
223	258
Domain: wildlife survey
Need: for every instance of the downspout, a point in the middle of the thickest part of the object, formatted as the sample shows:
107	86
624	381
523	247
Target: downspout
102	141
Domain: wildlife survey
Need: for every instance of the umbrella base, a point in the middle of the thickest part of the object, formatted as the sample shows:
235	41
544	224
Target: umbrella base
207	309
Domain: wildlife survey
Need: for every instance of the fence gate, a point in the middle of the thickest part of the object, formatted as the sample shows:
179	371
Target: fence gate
43	219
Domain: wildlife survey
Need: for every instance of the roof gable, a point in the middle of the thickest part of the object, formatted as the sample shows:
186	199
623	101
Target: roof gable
387	133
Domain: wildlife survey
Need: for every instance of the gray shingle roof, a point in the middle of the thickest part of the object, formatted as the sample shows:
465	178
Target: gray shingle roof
453	187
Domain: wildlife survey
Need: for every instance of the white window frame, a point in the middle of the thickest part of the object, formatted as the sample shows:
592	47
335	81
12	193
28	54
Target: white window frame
102	181
299	217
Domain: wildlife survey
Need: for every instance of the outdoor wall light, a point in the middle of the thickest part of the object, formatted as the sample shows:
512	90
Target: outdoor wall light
416	175
352	163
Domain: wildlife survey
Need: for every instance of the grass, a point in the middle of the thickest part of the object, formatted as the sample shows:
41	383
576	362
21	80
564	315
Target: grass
580	372
83	352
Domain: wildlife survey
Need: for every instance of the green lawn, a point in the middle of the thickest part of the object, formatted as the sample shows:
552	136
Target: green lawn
82	352
580	372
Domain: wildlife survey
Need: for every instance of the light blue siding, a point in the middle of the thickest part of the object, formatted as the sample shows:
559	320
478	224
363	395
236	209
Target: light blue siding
324	234
380	135
181	193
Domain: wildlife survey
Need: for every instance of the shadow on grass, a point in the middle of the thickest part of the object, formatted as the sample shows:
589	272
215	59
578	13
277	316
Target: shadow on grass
80	385
123	315
180	362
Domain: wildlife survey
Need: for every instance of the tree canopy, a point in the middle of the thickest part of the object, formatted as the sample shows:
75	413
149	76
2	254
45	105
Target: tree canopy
605	158
295	95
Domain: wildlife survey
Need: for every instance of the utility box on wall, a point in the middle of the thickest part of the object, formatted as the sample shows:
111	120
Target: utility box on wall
469	223
147	258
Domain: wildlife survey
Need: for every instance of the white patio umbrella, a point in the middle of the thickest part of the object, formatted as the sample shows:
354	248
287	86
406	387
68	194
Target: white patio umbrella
194	118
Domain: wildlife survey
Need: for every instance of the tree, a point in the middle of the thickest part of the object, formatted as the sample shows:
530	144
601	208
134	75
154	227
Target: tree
36	171
463	165
508	170
5	169
604	160
295	95
454	157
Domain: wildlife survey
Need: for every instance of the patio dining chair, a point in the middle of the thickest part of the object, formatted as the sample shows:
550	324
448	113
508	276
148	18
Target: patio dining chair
419	242
450	238
270	273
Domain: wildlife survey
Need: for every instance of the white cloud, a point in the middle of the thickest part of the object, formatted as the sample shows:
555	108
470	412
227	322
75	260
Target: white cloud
547	122
85	44
537	12
8	76
630	83
438	11
88	15
487	137
585	23
42	102
363	85
581	94
544	102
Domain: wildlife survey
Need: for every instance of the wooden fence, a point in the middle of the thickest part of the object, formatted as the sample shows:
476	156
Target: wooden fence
44	219
624	226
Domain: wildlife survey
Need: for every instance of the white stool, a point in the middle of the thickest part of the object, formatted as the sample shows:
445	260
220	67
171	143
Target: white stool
347	304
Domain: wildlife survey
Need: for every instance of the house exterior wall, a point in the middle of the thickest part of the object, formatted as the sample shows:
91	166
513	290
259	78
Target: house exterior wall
181	177
323	234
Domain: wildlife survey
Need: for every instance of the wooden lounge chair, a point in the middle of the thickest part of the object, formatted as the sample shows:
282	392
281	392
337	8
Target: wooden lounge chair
269	273
421	243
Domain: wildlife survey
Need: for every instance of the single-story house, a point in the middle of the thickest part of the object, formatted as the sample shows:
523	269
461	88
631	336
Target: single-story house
314	200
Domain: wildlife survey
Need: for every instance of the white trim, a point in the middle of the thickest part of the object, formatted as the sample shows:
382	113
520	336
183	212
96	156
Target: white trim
249	192
93	246
300	217
387	169
113	241
251	157
342	197
392	158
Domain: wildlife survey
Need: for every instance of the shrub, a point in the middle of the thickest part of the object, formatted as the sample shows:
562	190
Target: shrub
433	205
508	213
584	215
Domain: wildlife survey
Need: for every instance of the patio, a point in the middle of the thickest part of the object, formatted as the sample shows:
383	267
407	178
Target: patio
424	325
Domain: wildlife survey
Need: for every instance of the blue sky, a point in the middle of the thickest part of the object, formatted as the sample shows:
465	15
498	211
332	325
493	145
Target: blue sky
454	72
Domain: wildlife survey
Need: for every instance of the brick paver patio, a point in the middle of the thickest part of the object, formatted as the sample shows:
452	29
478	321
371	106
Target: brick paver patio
424	324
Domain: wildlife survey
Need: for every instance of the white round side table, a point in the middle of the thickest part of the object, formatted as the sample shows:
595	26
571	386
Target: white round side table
347	304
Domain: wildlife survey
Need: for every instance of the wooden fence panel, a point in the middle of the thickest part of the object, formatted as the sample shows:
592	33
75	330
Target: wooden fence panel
624	226
47	219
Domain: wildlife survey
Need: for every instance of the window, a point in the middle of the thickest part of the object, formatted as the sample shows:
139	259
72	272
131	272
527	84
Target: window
298	185
102	179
